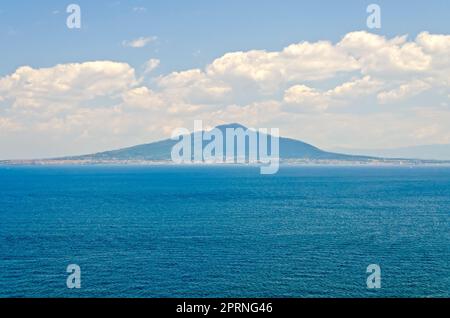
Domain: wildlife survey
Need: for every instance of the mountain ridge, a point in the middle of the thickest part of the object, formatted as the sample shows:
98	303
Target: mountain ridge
290	150
160	150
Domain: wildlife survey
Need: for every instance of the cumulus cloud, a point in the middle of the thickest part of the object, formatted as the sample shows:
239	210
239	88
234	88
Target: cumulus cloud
356	88
304	98
331	94
194	86
297	62
142	97
436	44
404	91
383	57
65	84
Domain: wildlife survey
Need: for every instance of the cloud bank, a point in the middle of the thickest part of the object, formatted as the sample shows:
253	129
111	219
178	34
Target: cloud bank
364	91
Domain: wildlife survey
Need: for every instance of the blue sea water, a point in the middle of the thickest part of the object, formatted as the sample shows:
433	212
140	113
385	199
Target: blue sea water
224	231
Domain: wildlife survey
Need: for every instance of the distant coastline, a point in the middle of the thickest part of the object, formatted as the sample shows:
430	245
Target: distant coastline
291	152
284	162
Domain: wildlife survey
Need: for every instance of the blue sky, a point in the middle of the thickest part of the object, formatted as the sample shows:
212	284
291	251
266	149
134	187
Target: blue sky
136	70
192	33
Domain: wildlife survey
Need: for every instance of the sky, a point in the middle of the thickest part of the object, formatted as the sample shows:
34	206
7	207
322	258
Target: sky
136	70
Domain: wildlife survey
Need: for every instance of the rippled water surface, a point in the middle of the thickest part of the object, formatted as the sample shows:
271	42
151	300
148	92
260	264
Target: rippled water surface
224	231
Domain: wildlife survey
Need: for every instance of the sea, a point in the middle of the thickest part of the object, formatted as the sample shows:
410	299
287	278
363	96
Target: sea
224	231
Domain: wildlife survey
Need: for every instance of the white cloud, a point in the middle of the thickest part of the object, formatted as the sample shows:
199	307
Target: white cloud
303	98
380	56
142	97
194	86
322	92
355	88
306	98
434	43
404	91
150	65
65	85
139	42
297	62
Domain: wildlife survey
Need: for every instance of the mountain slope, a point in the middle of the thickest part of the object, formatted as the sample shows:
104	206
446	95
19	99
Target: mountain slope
161	150
425	152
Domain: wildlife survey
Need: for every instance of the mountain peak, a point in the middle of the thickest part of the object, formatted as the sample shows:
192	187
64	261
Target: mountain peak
232	126
161	150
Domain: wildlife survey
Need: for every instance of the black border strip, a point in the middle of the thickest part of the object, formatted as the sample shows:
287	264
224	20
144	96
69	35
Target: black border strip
278	306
